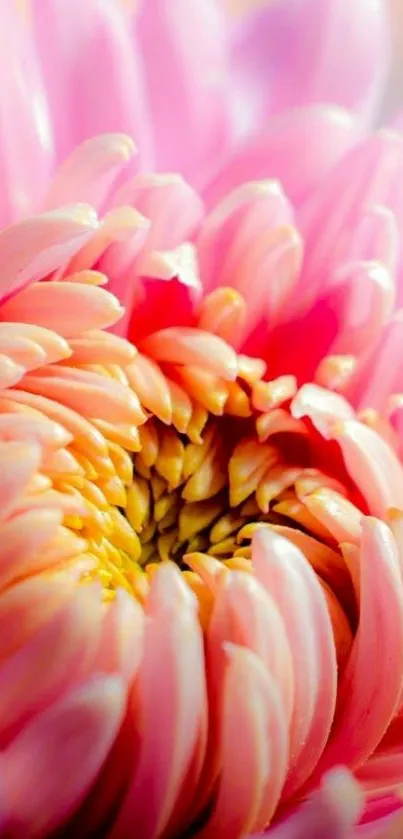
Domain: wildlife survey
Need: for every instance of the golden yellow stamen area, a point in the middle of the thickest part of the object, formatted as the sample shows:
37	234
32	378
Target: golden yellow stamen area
194	482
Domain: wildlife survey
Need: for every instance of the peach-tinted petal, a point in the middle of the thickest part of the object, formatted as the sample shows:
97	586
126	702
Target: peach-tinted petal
179	345
18	463
85	391
151	387
67	308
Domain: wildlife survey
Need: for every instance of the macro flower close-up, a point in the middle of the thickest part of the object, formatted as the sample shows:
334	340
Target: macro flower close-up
201	420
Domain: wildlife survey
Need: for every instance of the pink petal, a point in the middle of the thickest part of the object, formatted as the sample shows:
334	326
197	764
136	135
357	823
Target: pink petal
372	465
33	678
27	155
297	45
230	242
363	711
254	749
121	642
377	377
369	294
323	408
375	237
33	248
244	614
49	768
183	49
86	51
173	207
90	171
287	576
168	706
30	604
322	136
331	813
338	318
368	175
166	294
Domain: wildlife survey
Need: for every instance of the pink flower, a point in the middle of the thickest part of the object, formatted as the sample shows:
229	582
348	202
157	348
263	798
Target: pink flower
201	518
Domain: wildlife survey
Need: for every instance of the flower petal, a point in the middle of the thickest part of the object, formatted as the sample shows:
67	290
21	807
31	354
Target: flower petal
288	577
254	749
33	248
363	711
48	769
270	153
297	45
169	719
26	155
90	171
178	38
85	49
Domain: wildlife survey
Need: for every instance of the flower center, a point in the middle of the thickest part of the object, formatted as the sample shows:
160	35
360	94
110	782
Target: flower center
196	497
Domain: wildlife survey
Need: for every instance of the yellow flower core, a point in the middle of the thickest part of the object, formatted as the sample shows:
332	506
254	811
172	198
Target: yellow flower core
194	489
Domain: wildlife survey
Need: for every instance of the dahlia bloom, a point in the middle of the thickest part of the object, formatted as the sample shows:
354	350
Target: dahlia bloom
201	526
